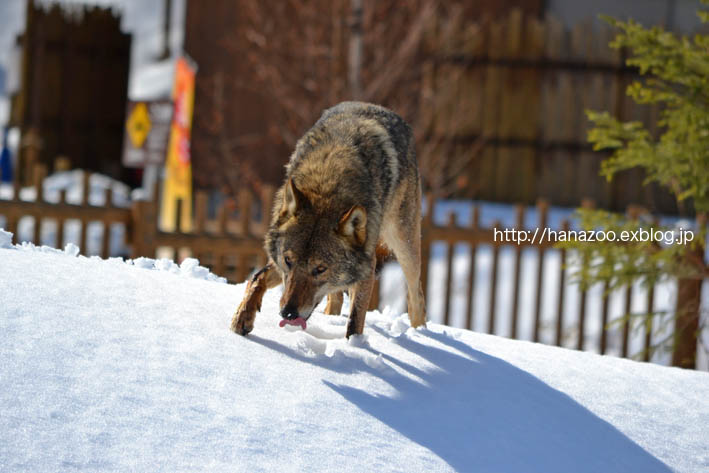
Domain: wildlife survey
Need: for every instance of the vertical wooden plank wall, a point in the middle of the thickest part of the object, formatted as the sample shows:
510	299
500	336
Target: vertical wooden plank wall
491	110
521	86
552	160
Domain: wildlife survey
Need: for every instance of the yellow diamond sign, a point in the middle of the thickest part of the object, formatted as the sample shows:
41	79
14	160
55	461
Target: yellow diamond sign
138	124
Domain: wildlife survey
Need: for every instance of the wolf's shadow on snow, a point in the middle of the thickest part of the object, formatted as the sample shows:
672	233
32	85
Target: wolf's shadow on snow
483	414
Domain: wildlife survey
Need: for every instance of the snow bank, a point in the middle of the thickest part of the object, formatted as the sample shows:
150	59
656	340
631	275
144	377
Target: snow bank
107	366
189	267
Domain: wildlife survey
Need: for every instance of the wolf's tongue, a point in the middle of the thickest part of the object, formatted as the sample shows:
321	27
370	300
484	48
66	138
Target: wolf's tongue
296	321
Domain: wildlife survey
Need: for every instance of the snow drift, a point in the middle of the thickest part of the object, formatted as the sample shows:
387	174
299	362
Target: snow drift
108	366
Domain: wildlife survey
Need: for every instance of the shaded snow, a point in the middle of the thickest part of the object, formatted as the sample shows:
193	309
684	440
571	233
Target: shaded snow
107	366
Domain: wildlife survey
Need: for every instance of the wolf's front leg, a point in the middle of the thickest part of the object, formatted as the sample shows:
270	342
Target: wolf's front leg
266	278
334	303
360	294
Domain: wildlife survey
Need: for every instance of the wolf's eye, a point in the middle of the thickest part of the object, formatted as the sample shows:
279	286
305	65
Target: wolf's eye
319	270
288	261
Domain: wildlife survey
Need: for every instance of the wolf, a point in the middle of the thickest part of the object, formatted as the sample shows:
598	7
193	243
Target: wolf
351	195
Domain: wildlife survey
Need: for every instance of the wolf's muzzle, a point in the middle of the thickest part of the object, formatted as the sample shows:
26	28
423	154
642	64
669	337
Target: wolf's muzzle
289	312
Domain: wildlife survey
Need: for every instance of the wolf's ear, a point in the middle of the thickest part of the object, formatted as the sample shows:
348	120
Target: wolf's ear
353	224
293	199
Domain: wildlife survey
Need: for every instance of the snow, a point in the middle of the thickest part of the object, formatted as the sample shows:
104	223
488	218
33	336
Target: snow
152	81
4	111
109	365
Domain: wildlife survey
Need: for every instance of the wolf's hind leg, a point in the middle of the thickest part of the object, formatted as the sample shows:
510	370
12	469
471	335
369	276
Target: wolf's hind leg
405	241
334	303
410	262
266	278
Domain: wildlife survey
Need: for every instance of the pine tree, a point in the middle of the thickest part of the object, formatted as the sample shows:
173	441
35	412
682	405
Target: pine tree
675	75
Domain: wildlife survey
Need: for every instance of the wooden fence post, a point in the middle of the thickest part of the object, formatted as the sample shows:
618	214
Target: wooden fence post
542	210
496	225
470	283
137	218
106	236
39	174
144	228
200	212
179	204
245	199
519	224
449	271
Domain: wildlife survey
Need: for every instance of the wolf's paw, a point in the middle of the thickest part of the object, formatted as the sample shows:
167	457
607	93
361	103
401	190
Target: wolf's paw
242	323
352	330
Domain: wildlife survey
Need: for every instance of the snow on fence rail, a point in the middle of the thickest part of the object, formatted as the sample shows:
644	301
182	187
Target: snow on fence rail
513	298
65	215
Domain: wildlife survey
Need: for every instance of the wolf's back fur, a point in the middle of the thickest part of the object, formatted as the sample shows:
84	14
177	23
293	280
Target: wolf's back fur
357	157
354	154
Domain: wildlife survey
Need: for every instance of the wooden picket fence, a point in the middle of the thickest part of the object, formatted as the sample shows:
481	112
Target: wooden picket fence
108	214
475	236
231	245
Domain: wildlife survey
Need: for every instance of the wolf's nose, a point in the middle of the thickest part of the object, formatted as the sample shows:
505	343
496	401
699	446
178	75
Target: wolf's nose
289	312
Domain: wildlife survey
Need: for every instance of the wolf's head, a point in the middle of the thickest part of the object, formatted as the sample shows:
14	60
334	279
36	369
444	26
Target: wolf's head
316	250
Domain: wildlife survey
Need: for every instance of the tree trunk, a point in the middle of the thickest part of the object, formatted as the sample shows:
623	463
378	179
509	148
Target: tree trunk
689	300
684	352
355	53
